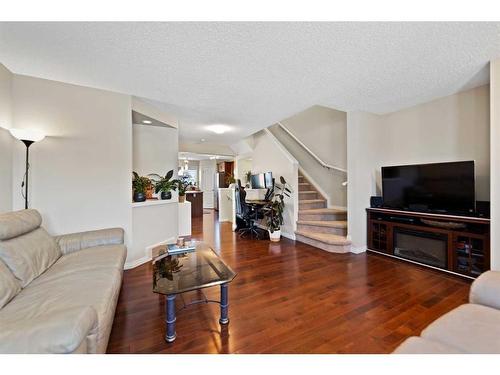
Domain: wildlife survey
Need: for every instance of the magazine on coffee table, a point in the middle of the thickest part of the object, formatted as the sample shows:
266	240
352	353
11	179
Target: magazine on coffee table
174	249
162	251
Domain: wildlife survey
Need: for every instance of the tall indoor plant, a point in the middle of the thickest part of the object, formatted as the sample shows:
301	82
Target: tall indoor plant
165	184
274	211
139	187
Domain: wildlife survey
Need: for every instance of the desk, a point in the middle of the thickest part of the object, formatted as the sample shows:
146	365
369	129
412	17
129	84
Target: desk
257	202
256	194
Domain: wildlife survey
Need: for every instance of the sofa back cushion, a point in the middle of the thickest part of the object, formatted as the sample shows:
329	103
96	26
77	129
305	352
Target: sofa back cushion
25	247
9	286
13	224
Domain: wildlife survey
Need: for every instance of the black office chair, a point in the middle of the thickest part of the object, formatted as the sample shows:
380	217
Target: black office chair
247	214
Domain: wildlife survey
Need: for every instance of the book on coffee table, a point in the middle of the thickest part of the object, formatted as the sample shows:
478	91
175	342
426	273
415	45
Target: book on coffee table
174	249
162	251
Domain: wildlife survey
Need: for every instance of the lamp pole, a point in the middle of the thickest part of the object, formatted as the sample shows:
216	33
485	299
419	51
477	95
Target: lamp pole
28	137
27	143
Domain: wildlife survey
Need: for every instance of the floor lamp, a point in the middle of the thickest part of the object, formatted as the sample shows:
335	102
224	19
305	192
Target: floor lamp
28	137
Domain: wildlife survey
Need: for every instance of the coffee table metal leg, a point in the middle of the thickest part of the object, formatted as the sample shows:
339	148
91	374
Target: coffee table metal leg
224	304
170	312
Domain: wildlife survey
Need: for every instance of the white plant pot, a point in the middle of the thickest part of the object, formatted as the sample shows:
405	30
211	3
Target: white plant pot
275	236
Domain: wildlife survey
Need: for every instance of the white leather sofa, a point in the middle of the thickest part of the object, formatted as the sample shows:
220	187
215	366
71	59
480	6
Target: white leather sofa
57	294
471	328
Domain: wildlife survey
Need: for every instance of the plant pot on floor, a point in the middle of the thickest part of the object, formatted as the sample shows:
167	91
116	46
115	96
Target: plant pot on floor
182	198
166	195
275	236
139	197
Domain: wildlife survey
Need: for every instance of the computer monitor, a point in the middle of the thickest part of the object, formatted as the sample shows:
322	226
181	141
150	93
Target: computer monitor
268	179
257	181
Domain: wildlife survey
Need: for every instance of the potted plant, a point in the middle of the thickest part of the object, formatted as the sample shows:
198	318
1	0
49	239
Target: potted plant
182	185
139	187
165	185
230	179
274	211
248	177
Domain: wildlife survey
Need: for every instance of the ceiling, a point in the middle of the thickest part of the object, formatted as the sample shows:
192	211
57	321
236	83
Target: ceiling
250	75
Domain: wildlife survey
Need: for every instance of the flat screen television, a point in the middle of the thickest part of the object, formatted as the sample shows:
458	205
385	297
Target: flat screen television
436	187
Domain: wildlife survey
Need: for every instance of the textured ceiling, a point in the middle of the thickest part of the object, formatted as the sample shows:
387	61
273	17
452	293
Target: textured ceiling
250	75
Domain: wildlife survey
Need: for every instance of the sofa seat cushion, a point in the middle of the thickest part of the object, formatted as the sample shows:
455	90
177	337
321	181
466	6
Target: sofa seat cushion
9	286
419	345
30	254
74	282
470	328
59	332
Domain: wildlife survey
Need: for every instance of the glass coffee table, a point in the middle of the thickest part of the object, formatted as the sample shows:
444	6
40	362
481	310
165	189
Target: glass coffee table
176	274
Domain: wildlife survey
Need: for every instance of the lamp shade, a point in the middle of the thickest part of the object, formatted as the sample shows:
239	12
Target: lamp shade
33	135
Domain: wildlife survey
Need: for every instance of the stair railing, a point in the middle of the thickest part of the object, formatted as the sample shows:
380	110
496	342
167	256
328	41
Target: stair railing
310	152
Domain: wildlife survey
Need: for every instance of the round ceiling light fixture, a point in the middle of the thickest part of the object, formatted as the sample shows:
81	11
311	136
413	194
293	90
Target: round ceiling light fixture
218	129
147	122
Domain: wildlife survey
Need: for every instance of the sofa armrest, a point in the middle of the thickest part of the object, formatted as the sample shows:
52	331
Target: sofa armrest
485	290
61	332
70	243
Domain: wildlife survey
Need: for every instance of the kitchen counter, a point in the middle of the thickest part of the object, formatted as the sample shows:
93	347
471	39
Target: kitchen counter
196	199
154	202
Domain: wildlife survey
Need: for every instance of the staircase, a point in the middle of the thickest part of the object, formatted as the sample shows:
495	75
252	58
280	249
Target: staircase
319	226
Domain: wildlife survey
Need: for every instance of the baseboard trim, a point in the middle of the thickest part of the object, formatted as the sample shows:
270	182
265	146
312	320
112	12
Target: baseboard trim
290	236
358	250
148	256
136	263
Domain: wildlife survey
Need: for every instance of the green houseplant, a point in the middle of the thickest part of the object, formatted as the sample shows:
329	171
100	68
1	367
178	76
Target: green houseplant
248	177
230	179
139	187
182	185
274	211
165	185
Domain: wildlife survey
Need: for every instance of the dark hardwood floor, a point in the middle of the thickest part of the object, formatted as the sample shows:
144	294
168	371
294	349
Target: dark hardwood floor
289	298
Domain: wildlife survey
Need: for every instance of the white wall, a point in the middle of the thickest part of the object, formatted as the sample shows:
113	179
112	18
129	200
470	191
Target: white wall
495	162
244	146
155	149
363	151
269	156
80	173
152	225
242	166
448	129
6	140
324	131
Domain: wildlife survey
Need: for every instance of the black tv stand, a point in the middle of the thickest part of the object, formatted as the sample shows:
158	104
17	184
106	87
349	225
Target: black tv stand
451	243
